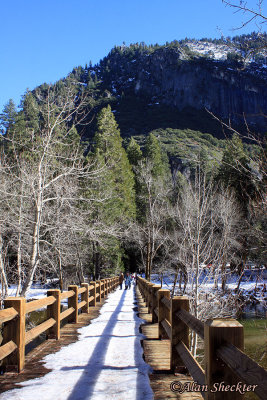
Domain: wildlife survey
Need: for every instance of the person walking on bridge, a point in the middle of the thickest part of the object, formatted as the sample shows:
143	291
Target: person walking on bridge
128	281
121	279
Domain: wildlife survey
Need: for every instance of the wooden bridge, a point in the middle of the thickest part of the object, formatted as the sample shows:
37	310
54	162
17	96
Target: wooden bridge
166	327
228	373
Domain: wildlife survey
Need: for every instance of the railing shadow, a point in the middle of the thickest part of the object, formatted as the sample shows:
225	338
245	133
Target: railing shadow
85	387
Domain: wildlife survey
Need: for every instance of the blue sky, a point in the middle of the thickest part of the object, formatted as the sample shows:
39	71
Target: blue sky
42	40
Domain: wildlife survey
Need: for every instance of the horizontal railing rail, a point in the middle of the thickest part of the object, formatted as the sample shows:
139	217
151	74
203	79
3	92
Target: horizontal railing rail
7	315
223	345
245	368
192	322
37	304
13	316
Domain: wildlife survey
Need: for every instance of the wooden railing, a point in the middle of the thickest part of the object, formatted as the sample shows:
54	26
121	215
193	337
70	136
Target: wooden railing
225	362
13	316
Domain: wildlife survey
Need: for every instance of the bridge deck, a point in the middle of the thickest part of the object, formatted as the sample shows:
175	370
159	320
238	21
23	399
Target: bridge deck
102	360
157	355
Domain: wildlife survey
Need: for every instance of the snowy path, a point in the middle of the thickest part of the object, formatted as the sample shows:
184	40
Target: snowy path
105	363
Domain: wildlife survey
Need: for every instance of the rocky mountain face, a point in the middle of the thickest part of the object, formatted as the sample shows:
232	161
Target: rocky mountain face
202	85
168	76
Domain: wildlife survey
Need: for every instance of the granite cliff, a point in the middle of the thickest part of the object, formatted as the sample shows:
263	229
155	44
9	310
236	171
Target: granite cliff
169	77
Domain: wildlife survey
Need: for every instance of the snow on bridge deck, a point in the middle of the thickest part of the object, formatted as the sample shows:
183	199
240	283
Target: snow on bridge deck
105	363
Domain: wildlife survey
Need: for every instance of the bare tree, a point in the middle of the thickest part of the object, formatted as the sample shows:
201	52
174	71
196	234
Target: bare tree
151	233
254	13
207	225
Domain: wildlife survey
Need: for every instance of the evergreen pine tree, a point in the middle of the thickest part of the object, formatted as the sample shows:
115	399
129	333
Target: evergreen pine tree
235	172
8	116
119	178
31	115
156	157
134	152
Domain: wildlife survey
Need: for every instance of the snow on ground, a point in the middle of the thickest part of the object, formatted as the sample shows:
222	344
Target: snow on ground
105	363
250	281
36	292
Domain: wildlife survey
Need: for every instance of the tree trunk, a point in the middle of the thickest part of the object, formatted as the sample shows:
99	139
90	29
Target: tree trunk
148	261
35	245
2	269
175	281
80	267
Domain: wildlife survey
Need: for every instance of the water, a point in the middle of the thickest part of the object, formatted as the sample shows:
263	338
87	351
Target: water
255	338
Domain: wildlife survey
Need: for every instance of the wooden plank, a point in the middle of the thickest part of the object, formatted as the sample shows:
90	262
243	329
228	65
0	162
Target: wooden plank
157	354
97	285
195	324
81	290
97	294
34	332
145	316
91	298
36	304
247	369
66	313
7	349
81	304
167	327
91	287
166	302
7	314
196	371
156	311
151	331
66	295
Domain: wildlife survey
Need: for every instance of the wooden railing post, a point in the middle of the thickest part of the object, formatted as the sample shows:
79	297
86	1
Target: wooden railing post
180	331
150	295
73	302
106	286
98	290
216	333
15	330
53	311
164	313
93	291
154	302
85	297
102	291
